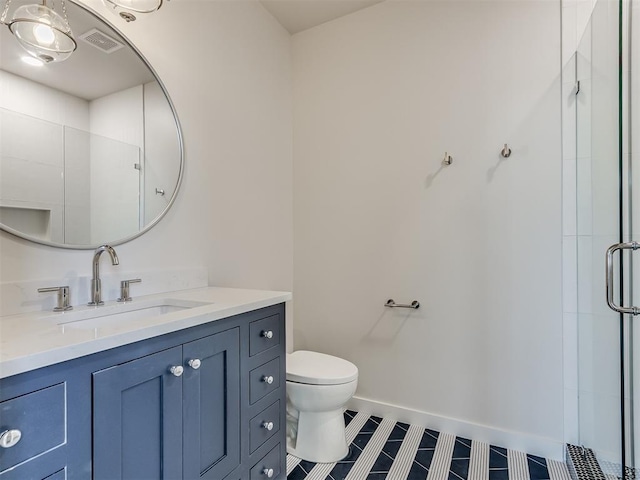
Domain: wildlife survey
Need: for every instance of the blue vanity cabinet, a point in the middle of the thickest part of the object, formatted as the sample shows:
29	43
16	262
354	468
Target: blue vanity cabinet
264	397
60	475
124	413
149	411
37	422
57	476
137	419
211	406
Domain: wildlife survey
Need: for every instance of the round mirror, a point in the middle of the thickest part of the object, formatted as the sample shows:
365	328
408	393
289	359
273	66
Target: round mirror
90	147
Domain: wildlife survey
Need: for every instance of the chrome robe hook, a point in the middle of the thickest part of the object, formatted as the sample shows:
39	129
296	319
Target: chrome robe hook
448	160
506	151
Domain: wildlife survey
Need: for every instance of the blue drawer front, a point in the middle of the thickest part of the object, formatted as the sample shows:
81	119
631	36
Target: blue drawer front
264	334
258	386
258	431
270	464
40	417
57	476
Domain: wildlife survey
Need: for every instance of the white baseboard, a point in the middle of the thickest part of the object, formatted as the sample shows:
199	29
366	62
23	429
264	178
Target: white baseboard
543	447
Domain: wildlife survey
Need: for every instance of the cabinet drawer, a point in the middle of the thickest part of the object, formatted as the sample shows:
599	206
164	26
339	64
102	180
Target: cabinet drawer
264	334
263	380
40	417
264	425
57	476
268	467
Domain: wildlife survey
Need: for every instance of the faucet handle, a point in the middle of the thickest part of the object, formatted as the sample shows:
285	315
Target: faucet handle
63	297
124	289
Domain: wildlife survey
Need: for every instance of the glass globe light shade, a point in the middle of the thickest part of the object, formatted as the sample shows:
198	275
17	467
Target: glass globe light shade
43	33
132	7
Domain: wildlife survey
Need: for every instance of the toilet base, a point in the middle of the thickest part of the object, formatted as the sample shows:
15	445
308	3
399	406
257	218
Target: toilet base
320	437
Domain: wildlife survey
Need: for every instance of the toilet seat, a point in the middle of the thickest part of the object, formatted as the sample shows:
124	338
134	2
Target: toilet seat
315	368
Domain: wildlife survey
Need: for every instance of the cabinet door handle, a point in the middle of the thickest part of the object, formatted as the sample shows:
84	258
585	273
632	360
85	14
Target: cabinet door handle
176	370
268	472
267	425
268	379
195	363
9	438
267	334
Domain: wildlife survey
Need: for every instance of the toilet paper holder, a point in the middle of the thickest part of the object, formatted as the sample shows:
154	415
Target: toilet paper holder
391	304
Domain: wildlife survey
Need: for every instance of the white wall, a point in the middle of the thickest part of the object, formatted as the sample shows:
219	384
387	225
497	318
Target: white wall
160	145
30	98
33	162
226	66
379	97
117	141
77	185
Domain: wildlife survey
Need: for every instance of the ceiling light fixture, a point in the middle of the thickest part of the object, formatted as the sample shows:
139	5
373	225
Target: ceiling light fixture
128	9
41	31
34	62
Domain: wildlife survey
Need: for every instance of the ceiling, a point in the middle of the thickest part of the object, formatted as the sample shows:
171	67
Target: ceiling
299	15
89	73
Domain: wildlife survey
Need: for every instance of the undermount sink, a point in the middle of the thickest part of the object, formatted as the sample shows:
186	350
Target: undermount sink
118	314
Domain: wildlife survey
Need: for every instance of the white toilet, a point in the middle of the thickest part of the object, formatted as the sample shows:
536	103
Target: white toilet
318	388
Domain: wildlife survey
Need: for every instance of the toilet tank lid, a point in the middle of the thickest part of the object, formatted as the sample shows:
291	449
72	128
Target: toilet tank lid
319	369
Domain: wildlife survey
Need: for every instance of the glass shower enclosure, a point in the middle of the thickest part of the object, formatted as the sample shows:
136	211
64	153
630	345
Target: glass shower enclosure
607	135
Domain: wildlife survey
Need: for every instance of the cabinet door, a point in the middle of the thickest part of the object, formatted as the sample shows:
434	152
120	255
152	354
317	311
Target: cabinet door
212	406
137	419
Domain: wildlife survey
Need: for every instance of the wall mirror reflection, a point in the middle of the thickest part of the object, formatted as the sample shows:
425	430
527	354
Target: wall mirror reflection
90	147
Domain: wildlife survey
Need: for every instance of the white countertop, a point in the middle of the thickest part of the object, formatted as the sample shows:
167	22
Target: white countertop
33	340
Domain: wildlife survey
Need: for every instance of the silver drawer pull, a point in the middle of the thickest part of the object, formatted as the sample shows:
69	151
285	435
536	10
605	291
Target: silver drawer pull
176	370
9	438
267	334
268	379
267	426
195	363
268	472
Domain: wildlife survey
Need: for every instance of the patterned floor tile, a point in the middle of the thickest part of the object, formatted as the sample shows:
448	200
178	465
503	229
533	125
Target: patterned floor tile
538	468
498	474
417	472
297	474
381	446
497	458
459	468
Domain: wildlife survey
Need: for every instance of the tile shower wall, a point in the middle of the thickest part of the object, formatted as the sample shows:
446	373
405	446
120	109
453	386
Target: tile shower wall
42	111
158	146
227	68
379	97
575	17
590	221
117	116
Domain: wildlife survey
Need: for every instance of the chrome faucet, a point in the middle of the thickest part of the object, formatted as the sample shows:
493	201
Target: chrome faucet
96	287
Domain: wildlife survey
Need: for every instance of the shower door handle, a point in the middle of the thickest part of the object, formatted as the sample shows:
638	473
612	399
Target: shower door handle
609	282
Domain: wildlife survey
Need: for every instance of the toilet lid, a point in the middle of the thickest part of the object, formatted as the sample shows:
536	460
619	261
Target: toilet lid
319	369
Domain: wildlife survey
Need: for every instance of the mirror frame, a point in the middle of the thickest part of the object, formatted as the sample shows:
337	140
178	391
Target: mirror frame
157	219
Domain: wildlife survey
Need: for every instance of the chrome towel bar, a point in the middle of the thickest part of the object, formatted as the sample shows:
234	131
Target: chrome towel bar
391	304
